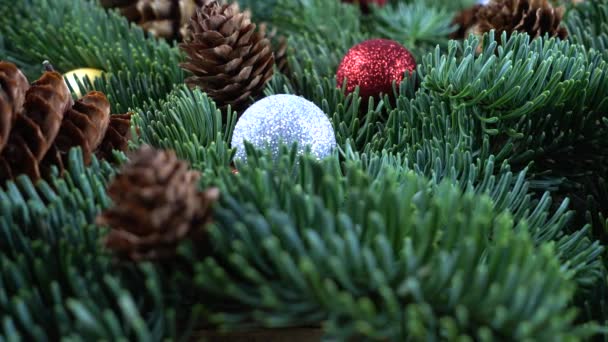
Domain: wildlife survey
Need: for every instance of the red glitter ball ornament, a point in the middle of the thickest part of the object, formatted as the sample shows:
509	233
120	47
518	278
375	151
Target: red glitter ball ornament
373	66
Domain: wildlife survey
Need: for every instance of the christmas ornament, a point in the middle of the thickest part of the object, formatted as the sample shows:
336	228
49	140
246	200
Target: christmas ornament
40	123
373	66
284	119
81	74
229	60
534	17
157	205
162	18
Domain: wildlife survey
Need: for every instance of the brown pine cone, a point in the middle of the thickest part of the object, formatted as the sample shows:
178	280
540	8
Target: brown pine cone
48	124
36	126
535	17
156	206
230	60
162	18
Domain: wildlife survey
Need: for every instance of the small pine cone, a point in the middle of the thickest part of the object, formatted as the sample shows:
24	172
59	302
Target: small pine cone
156	206
117	136
36	127
13	86
535	17
161	18
230	60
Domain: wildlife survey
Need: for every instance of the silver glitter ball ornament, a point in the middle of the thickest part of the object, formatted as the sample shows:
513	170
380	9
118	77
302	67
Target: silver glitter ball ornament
284	119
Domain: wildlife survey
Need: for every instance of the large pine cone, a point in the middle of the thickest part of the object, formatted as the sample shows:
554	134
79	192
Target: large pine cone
230	60
40	124
162	18
535	17
156	206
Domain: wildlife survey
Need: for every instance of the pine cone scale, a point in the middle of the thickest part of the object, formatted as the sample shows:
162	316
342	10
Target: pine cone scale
84	125
117	136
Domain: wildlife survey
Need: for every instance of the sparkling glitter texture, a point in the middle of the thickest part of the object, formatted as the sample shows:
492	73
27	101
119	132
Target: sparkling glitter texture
286	119
373	66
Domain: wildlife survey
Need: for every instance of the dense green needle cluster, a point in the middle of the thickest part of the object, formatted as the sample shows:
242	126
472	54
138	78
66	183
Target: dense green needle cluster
471	203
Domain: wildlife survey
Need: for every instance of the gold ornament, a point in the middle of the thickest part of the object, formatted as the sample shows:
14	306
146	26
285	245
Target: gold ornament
81	74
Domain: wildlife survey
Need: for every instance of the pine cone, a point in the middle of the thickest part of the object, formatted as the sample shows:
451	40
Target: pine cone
36	127
13	86
41	124
162	18
535	17
156	206
229	59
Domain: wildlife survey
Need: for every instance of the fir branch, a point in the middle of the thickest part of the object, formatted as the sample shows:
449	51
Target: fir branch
365	253
262	11
587	24
81	34
418	25
188	122
55	280
539	100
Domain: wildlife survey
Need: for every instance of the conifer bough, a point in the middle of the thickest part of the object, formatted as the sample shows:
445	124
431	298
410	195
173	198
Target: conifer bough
432	223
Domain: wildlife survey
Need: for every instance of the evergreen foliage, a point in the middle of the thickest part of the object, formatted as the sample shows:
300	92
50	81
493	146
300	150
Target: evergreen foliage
422	24
83	35
471	203
384	257
55	280
588	25
189	123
